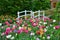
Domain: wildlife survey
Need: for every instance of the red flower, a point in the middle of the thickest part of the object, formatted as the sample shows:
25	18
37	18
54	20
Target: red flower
38	32
10	21
25	24
20	21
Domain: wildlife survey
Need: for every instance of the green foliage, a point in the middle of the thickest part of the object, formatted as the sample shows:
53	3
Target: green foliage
57	14
12	6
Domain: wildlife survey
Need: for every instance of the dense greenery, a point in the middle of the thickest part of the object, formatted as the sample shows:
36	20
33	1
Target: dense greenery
12	6
58	12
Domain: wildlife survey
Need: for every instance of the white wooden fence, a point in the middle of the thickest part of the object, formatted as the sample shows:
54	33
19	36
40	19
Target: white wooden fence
31	14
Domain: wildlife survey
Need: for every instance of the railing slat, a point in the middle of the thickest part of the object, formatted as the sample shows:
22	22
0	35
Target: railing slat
31	14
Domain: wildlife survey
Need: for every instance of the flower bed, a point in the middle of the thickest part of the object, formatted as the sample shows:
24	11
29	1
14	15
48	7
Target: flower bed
32	29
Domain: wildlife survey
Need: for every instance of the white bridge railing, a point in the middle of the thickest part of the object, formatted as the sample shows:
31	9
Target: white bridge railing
31	14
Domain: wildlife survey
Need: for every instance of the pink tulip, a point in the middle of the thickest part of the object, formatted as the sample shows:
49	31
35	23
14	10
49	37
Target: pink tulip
22	30
57	27
34	24
26	31
17	18
45	18
37	20
7	23
18	24
8	30
19	31
2	34
31	20
6	33
14	26
42	26
10	21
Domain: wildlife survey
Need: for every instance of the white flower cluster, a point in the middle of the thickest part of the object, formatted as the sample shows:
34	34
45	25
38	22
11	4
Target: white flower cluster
54	20
0	24
10	37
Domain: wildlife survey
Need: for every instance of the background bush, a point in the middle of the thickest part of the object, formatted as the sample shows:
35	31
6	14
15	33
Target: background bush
12	6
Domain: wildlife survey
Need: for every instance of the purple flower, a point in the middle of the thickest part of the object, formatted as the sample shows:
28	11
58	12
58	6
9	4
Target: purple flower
15	30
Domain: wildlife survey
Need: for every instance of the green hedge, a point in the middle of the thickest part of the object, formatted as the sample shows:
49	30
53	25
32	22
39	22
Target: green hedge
12	6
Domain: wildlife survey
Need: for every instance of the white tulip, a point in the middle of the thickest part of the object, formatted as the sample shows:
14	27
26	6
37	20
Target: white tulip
20	27
43	37
0	24
37	39
45	29
47	26
8	36
53	27
50	25
40	22
16	34
12	37
45	23
32	33
54	20
18	21
48	37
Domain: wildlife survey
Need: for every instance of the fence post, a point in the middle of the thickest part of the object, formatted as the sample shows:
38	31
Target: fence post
31	13
18	14
25	14
39	14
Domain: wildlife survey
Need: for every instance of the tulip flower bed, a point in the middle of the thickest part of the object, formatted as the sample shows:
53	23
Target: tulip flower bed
32	29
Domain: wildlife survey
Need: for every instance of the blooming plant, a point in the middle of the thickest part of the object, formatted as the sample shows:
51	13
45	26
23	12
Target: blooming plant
32	29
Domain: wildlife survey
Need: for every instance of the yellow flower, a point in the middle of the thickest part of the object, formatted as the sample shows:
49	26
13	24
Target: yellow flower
2	18
29	29
24	27
41	31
